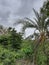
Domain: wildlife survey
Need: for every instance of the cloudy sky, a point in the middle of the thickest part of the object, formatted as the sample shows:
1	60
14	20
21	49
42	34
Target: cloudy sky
11	10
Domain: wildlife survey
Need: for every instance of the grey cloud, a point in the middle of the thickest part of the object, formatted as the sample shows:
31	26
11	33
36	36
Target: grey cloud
10	10
7	8
26	7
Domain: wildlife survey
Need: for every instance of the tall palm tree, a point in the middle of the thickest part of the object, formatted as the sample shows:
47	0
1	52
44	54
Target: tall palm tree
40	23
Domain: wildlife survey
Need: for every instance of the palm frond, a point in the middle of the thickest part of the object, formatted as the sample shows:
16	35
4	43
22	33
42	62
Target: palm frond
37	19
47	23
38	23
36	14
43	17
28	25
31	21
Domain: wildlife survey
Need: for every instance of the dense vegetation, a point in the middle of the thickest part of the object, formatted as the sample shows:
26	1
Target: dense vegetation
14	50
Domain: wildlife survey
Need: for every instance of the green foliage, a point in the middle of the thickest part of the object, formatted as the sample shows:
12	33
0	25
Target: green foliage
7	57
42	54
41	57
11	40
15	39
9	44
13	47
45	8
4	40
27	49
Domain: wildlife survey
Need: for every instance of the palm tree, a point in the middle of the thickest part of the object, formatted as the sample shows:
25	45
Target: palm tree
40	23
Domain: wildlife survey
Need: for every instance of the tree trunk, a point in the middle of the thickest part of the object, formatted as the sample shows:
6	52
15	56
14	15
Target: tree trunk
34	59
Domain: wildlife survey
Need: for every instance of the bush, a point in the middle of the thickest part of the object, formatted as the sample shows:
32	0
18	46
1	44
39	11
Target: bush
27	49
11	40
7	57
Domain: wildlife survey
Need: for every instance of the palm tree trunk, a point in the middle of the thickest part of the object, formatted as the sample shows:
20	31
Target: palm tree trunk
35	53
41	39
34	59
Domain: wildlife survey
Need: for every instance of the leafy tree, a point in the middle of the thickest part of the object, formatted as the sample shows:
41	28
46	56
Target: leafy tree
11	40
4	40
15	39
45	8
9	44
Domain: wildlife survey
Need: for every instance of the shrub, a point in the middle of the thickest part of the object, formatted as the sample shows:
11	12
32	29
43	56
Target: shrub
7	57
